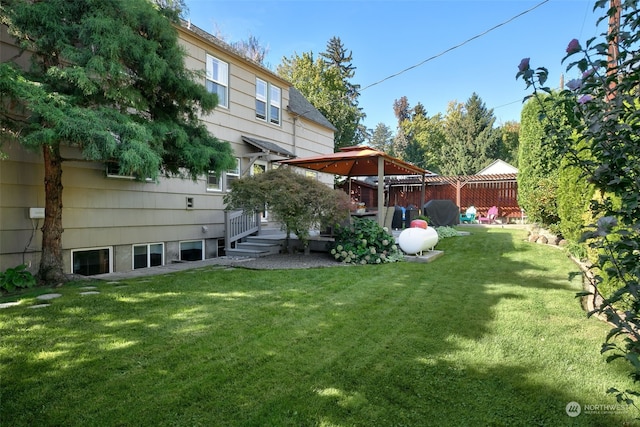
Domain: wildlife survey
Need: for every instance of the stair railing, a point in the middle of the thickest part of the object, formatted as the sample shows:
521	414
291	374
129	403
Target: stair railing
239	224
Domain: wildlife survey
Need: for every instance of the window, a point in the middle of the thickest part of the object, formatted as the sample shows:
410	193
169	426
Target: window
113	171
274	102
261	99
258	168
148	255
192	250
267	94
213	182
89	262
217	79
233	174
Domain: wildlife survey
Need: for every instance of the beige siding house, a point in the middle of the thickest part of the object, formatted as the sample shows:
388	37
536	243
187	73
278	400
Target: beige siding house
114	223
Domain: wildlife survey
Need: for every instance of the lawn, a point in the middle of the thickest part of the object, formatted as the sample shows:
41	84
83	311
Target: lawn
488	334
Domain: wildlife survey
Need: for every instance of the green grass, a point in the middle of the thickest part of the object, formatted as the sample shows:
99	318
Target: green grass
489	334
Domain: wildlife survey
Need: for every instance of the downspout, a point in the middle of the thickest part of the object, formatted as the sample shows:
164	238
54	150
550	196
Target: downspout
294	143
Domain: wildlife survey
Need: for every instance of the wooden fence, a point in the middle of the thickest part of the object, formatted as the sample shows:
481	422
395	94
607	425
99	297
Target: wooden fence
481	191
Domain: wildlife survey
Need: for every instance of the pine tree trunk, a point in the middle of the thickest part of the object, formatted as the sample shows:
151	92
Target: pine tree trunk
51	270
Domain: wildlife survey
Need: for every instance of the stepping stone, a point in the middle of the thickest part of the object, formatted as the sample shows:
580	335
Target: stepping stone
9	304
39	305
89	293
46	297
88	288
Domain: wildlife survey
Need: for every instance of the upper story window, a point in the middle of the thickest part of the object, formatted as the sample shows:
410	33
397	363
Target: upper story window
268	102
217	79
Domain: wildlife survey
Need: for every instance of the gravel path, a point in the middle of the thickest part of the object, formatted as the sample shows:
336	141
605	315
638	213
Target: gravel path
286	261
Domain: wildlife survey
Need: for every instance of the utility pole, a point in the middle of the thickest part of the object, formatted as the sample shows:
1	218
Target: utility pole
613	52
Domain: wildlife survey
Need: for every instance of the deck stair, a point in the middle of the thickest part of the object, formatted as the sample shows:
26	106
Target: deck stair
269	241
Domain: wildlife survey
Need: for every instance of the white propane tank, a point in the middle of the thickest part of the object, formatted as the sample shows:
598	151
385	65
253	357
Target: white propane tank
415	240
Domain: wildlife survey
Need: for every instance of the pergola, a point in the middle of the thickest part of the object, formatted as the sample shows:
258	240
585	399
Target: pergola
361	161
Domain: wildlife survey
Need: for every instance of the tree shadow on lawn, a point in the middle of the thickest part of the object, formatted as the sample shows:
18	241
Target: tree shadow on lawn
305	349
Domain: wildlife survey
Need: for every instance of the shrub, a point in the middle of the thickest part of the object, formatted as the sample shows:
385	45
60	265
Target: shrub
444	232
365	242
299	202
17	277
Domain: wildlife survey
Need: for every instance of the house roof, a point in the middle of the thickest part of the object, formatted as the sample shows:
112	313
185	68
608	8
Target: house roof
498	167
221	44
268	147
357	161
299	105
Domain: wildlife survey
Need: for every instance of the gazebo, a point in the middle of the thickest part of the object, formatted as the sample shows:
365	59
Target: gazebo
361	161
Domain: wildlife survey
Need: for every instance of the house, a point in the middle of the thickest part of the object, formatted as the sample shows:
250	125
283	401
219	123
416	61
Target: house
498	167
114	223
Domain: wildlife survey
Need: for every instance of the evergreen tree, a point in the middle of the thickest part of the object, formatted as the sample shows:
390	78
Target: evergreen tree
326	83
426	142
382	138
336	56
108	79
538	165
472	142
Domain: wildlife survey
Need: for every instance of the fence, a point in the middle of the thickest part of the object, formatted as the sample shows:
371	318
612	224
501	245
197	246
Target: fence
481	191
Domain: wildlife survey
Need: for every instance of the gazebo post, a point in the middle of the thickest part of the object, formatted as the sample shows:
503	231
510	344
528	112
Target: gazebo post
380	191
422	194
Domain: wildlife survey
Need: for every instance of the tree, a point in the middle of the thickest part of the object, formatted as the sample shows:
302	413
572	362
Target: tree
602	108
510	134
402	111
252	49
472	142
382	138
538	163
336	57
326	83
419	138
426	141
299	202
107	79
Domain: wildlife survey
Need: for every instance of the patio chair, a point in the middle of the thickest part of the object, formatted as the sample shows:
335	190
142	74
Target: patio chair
469	216
492	214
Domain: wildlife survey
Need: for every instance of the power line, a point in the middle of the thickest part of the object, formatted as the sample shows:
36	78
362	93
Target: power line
456	46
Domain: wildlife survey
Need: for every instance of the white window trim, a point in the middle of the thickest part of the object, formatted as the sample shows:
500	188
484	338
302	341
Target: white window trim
275	103
223	81
148	254
236	173
213	190
269	102
110	248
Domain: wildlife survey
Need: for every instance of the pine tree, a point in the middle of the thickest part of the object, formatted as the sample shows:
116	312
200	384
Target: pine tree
472	142
382	138
326	83
108	79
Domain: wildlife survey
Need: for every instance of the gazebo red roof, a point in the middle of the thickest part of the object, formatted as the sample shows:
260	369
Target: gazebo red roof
357	161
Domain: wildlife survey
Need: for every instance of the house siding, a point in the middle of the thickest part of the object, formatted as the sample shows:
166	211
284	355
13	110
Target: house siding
118	213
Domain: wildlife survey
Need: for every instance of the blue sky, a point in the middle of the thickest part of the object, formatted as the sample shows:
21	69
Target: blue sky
387	37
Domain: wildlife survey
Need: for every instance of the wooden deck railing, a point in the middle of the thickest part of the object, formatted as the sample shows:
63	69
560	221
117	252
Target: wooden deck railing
239	224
